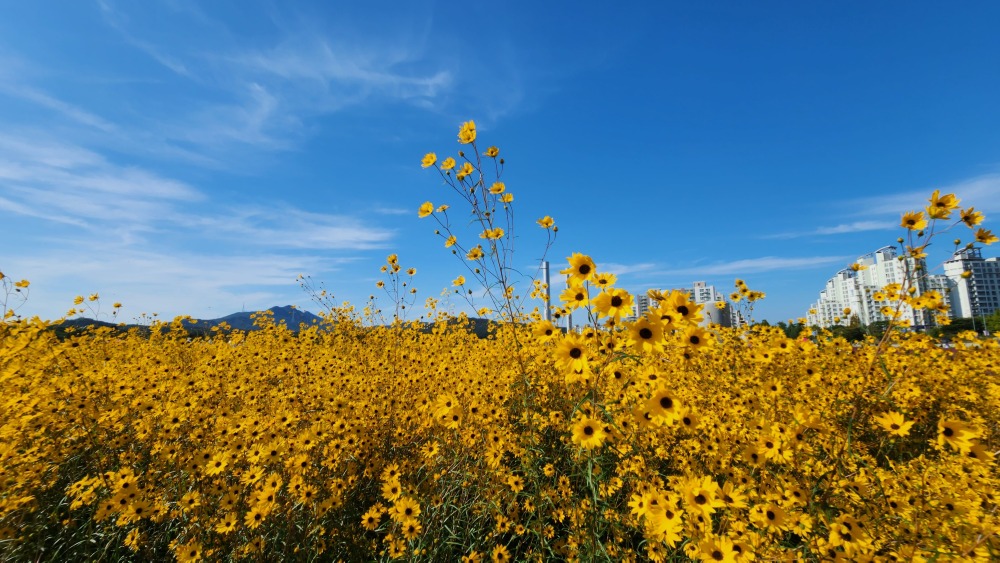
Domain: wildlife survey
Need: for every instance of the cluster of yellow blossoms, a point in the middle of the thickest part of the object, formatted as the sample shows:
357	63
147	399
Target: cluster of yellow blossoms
628	438
634	441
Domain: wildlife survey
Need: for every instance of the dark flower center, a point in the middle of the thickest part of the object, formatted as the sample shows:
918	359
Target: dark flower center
616	301
575	353
645	333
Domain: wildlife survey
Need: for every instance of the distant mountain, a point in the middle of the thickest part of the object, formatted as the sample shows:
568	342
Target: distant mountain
287	315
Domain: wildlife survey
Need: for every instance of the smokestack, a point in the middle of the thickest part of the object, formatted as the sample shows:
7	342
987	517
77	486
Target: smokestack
548	292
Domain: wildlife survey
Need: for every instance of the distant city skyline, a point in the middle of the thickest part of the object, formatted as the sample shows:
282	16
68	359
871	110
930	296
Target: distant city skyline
969	286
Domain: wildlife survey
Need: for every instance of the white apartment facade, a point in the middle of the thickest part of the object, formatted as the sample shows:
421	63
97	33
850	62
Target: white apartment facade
978	293
855	290
702	294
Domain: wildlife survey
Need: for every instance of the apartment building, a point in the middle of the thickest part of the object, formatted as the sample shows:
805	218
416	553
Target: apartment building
975	283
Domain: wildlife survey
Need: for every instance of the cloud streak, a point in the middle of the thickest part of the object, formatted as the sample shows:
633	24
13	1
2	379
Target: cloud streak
71	185
982	191
843	228
685	274
168	283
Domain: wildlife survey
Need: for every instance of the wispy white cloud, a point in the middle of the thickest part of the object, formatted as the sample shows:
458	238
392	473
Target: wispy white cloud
340	69
687	273
758	265
117	20
982	192
115	229
843	228
883	212
627	269
392	211
284	226
47	101
68	184
168	283
262	92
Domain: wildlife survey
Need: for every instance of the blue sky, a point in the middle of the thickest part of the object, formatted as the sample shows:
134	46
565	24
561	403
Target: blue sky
194	157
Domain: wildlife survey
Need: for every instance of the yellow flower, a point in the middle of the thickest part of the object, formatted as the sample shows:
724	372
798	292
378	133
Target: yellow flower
575	297
941	205
497	188
984	236
93	297
571	353
957	434
702	496
971	217
516	483
615	303
467	134
492	152
426	209
492	233
546	222
460	280
894	423
450	241
442	208
429	160
604	280
646	334
664	403
448	163
544	330
581	268
78	300
467	169
476	253
588	433
507	197
405	509
190	551
696	337
914	220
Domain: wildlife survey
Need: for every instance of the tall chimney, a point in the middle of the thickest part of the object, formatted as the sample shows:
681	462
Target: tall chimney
548	291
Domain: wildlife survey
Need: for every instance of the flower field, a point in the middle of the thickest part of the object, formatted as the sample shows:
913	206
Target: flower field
623	440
